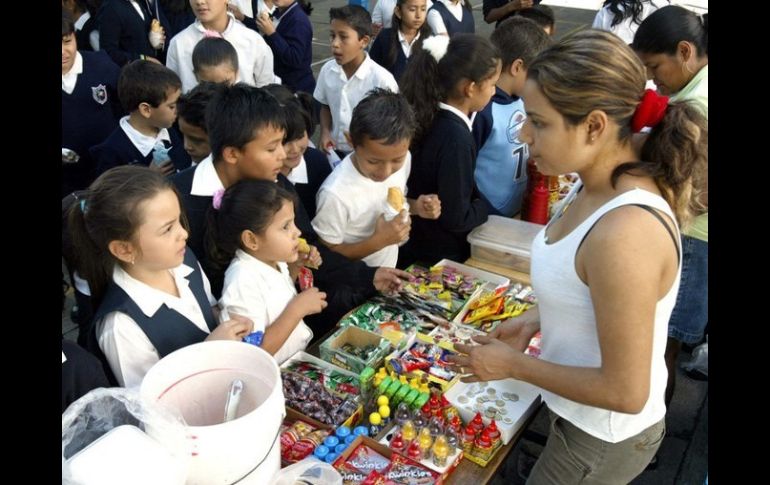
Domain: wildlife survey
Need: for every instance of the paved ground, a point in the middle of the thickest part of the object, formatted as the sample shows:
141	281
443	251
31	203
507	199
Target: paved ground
683	456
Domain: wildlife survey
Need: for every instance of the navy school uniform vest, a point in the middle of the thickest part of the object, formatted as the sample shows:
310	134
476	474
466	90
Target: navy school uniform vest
118	149
167	329
454	26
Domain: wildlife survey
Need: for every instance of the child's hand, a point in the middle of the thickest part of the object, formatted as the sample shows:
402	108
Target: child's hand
428	206
234	329
389	280
166	168
309	302
393	231
265	24
327	144
312	259
236	11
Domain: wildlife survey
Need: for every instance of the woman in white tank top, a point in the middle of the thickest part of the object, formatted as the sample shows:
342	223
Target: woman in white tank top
606	270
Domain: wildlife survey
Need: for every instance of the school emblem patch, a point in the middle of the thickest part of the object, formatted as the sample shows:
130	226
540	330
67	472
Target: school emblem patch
99	93
514	126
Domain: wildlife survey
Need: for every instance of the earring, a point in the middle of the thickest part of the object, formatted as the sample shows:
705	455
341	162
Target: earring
133	260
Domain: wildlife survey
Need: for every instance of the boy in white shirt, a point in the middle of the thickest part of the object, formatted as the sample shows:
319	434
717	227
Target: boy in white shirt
255	59
354	200
344	81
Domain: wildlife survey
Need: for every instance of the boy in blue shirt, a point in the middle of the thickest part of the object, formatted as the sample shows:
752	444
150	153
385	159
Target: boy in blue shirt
149	92
501	164
89	82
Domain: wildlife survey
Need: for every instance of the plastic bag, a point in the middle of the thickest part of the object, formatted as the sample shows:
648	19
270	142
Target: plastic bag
308	471
699	361
103	409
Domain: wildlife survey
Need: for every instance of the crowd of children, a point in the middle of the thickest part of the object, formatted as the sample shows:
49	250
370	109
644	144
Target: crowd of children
199	197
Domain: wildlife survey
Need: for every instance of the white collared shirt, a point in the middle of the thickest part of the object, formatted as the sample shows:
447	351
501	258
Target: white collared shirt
126	346
255	59
258	291
407	46
437	23
137	8
206	179
383	12
142	142
342	95
69	80
349	205
463	116
81	21
299	174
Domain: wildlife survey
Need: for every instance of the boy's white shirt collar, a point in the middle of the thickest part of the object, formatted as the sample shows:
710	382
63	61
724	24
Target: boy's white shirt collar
299	174
147	298
361	73
205	179
142	142
463	116
81	21
230	21
69	80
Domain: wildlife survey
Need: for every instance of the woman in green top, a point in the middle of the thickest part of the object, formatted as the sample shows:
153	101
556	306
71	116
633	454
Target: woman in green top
673	44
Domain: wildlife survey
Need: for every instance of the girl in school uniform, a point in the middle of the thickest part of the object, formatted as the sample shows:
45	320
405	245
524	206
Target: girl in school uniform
446	83
450	17
252	227
152	296
289	34
393	46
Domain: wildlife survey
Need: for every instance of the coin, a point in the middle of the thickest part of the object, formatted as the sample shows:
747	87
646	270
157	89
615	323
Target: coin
500	403
507	420
491	390
462	399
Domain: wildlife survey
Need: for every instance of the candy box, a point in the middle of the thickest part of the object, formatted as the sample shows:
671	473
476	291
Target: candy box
353	349
423	357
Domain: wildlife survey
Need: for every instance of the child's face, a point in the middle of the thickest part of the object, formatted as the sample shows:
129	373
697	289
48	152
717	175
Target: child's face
160	240
209	10
554	145
345	43
412	13
280	240
484	90
196	140
262	157
221	73
294	151
666	71
69	49
377	161
165	114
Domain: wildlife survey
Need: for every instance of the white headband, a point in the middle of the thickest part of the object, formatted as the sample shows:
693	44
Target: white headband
436	46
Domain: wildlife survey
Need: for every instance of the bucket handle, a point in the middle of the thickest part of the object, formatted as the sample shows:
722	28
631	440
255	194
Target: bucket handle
277	433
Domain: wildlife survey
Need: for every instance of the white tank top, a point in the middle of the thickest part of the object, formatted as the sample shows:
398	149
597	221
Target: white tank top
568	325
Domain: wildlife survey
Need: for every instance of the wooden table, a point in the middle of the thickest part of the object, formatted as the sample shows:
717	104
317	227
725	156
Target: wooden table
468	472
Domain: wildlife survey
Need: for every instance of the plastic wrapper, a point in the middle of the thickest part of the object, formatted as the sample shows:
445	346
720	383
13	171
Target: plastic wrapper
103	409
311	472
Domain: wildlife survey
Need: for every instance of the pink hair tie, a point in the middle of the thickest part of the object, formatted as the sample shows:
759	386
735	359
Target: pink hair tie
217	200
212	34
650	111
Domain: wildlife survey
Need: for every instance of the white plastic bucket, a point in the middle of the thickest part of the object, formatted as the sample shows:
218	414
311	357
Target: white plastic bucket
196	380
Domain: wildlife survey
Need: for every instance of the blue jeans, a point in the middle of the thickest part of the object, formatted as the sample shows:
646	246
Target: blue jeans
690	315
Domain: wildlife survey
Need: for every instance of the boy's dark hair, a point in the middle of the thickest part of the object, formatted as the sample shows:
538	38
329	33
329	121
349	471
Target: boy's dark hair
355	16
298	108
213	51
67	24
192	105
246	205
236	112
146	82
663	30
519	38
382	115
542	15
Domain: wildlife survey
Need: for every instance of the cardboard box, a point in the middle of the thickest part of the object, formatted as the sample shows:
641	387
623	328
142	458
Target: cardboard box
443	384
331	349
384	451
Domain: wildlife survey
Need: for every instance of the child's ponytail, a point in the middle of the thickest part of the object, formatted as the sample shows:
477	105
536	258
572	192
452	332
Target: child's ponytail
92	262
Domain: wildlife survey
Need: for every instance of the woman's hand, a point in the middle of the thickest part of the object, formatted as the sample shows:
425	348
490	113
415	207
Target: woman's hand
490	361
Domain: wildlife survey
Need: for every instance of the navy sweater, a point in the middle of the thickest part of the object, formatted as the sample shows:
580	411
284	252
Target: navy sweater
443	164
454	26
118	149
88	117
293	50
123	33
380	52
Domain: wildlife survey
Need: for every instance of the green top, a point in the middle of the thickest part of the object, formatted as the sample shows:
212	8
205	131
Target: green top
697	90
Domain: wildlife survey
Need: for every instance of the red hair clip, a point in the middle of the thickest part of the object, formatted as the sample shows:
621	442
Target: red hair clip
650	111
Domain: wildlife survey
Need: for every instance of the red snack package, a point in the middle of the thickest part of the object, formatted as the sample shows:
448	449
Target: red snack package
305	278
404	471
350	476
366	459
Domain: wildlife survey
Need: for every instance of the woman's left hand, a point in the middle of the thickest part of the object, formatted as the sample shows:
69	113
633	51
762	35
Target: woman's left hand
265	24
490	361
